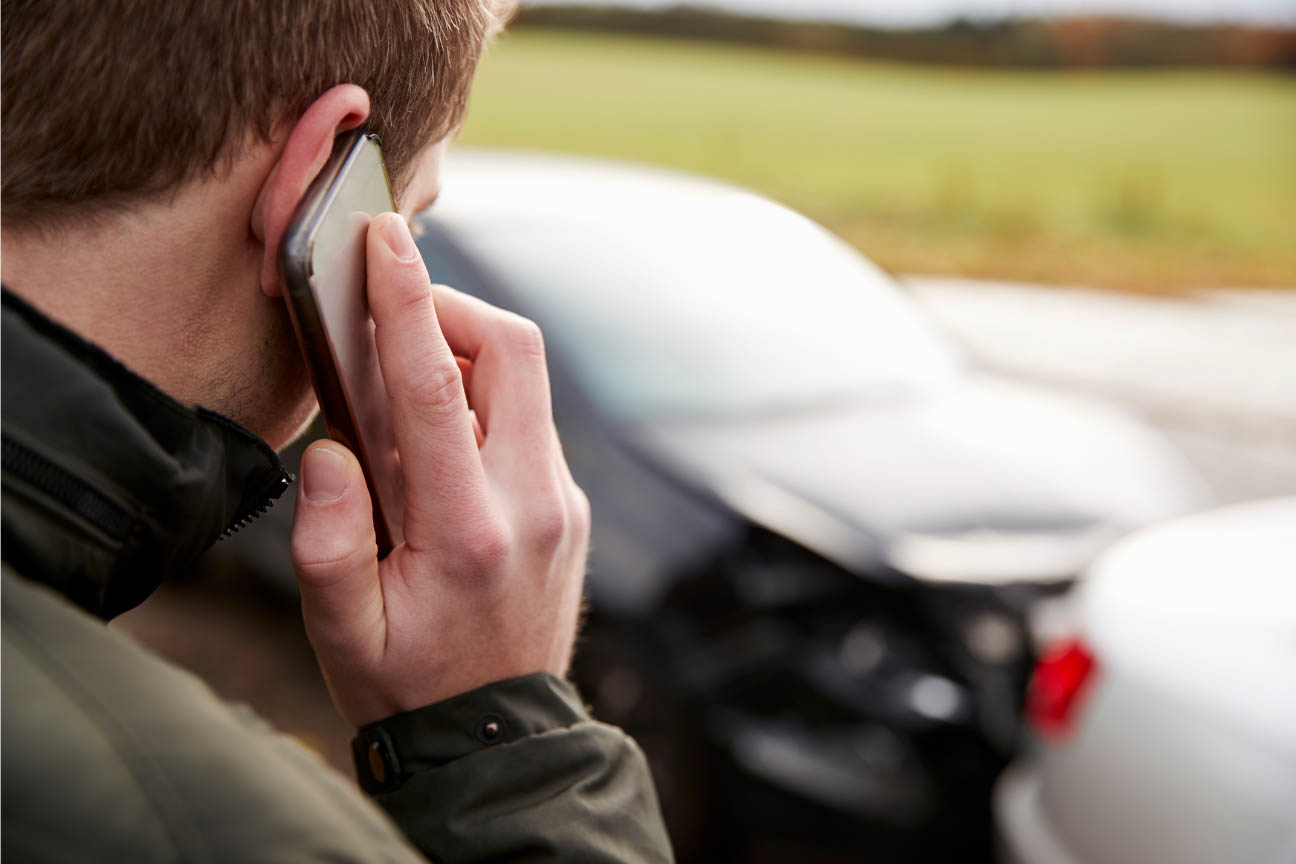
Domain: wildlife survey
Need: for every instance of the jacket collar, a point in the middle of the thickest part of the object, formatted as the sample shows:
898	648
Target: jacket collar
110	485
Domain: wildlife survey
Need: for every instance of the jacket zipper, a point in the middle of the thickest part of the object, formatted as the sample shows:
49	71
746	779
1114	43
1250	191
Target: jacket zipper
94	506
255	512
66	488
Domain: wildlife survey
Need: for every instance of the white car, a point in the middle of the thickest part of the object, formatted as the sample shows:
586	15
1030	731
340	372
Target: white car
1166	730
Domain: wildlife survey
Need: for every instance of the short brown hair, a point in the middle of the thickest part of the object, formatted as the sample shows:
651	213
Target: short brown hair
106	102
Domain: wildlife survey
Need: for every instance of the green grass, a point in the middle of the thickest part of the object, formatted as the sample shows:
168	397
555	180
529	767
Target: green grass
1147	180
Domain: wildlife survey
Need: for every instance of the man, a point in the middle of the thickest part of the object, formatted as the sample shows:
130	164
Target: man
154	152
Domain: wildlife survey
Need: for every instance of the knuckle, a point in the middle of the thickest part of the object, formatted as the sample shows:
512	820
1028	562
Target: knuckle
581	515
414	295
434	385
548	524
320	563
524	336
485	549
401	294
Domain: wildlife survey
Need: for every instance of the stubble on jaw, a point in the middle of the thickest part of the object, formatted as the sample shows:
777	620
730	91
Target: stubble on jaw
268	390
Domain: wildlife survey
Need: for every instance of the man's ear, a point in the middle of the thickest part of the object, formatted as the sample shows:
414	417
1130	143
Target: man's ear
309	142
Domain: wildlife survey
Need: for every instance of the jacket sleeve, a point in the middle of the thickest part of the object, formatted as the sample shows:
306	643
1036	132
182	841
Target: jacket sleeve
513	771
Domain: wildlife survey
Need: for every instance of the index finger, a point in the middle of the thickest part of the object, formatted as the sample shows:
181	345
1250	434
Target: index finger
445	483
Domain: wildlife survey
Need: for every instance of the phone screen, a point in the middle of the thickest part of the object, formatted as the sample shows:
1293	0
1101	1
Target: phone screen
332	231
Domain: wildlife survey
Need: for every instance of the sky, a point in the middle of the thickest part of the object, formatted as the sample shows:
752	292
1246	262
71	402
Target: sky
905	13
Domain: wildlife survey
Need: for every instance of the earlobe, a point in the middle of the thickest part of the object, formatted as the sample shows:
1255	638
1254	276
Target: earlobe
308	144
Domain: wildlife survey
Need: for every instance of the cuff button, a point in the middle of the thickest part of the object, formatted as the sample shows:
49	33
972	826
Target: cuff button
490	728
377	765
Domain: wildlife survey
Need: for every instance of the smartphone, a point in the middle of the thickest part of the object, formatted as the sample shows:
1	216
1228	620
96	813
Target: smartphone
323	260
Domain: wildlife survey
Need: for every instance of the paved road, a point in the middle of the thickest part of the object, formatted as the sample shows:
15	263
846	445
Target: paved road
1216	372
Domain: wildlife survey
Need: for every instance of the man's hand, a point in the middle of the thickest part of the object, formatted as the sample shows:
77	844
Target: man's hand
487	584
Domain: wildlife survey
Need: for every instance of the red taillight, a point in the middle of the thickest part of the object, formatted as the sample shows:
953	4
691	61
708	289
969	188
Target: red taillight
1057	688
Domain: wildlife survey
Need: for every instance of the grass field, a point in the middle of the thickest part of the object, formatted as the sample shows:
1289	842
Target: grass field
1145	180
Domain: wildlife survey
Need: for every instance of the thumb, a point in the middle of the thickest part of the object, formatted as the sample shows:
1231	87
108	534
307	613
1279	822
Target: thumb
335	554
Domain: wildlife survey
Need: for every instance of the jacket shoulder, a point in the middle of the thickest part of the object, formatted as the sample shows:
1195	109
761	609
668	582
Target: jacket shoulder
113	754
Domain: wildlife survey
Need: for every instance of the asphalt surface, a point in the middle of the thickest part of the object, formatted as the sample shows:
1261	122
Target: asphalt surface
1214	371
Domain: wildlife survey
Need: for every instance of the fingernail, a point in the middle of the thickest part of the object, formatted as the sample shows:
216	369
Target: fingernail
398	237
324	475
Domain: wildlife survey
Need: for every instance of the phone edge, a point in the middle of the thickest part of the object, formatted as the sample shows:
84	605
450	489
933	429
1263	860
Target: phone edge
303	312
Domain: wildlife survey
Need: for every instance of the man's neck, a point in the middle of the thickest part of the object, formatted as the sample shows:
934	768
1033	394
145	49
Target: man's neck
149	285
172	290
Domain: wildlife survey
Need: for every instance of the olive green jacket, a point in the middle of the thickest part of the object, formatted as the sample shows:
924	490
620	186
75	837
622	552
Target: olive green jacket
111	754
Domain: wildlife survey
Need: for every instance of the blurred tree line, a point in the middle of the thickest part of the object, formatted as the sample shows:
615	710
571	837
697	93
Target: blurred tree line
1027	42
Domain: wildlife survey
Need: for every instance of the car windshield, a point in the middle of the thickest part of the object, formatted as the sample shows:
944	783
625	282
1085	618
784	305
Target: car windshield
740	307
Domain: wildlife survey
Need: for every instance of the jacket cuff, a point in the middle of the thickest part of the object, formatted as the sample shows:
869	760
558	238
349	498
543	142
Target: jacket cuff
390	751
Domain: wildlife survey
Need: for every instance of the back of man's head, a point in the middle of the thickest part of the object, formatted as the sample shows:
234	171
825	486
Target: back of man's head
109	102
